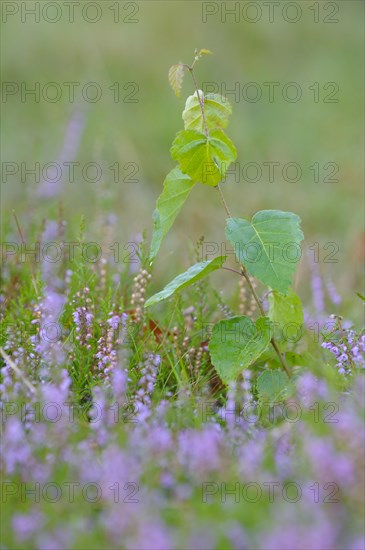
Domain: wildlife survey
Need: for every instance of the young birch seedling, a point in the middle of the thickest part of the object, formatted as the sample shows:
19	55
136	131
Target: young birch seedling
203	153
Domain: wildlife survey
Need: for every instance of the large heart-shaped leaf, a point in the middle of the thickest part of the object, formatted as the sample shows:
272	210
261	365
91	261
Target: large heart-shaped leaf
205	160
268	246
176	189
192	275
217	110
286	313
236	343
272	385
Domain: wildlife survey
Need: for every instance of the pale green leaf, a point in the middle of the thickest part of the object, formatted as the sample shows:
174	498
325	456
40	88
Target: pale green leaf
286	313
205	160
205	52
236	343
176	189
192	275
268	246
272	385
176	76
217	110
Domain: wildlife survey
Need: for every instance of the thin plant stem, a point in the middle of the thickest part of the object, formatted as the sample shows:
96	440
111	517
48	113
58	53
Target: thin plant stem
32	273
200	99
233	270
281	357
223	200
17	370
244	272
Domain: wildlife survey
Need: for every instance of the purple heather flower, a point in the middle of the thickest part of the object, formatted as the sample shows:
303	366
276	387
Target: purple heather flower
26	525
297	536
235	533
317	288
310	389
349	352
146	386
250	456
152	442
327	463
199	450
58	538
114	322
53	187
99	415
15	449
357	543
230	408
152	535
119	382
284	456
50	232
202	538
332	292
48	342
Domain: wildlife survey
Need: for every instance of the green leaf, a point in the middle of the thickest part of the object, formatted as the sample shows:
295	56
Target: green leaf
204	52
237	343
360	296
217	110
268	246
176	76
286	312
176	189
192	275
204	159
272	385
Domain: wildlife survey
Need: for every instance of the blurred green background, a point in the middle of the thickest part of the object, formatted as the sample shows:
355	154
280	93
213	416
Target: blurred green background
166	32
